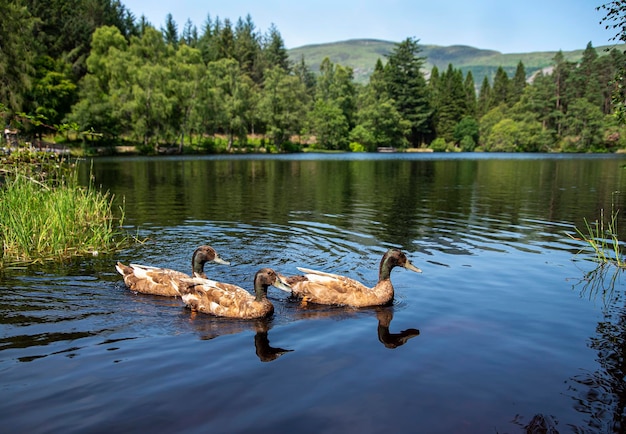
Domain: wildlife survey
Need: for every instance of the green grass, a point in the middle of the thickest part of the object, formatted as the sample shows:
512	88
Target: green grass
601	236
45	214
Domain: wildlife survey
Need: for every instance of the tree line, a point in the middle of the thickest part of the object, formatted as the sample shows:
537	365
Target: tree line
92	67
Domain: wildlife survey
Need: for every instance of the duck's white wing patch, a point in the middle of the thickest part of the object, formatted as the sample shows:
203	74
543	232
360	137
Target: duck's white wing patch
320	273
145	267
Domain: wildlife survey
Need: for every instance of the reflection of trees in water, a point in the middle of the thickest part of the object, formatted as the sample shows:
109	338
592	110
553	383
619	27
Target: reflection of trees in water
601	395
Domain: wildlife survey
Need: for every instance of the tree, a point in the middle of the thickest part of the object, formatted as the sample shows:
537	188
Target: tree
335	98
483	104
53	92
466	133
379	124
170	32
407	88
306	76
452	99
500	92
16	54
470	94
96	110
188	69
233	97
274	51
283	105
65	27
614	19
142	88
330	125
190	34
247	49
582	127
518	83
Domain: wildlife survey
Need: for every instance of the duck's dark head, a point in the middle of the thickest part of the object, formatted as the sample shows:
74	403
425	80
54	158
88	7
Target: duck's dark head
201	256
266	277
394	258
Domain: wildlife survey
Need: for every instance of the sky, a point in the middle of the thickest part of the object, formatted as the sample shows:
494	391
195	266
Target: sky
508	26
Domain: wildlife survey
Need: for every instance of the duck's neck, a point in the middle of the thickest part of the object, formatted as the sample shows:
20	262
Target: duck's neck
197	267
384	272
261	291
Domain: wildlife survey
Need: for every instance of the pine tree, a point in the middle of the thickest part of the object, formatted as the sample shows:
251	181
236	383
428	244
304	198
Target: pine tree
170	32
248	49
407	87
500	90
470	94
274	51
518	83
452	103
484	98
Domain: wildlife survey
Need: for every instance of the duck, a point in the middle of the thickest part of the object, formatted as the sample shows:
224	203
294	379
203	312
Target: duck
333	289
158	281
228	300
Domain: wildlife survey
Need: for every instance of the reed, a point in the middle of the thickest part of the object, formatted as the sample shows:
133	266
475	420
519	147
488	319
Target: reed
45	214
602	236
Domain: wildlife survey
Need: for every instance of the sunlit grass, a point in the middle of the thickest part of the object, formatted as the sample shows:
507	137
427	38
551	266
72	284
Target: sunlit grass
602	237
45	214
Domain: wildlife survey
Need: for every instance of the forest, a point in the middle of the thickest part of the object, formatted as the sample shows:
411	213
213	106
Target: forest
90	74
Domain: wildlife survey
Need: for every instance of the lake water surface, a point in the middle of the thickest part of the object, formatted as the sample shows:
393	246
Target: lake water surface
508	327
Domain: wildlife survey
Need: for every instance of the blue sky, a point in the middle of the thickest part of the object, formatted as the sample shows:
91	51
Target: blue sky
508	26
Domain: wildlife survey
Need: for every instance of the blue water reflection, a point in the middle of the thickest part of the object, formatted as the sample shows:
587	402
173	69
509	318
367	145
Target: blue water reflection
508	327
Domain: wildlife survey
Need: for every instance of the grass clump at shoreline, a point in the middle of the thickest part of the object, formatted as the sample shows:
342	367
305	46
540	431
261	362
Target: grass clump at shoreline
45	214
603	239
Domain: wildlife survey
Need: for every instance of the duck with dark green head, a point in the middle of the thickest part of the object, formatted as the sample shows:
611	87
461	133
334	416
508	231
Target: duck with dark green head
326	288
159	281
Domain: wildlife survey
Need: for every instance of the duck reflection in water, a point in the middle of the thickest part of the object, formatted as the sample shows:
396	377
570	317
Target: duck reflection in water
210	328
384	315
388	339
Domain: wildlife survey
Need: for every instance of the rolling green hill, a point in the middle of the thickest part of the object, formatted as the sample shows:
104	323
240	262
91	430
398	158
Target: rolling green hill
361	56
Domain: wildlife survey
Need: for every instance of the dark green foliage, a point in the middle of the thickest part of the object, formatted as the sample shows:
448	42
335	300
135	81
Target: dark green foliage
16	54
466	133
407	87
451	102
170	31
162	88
614	19
518	83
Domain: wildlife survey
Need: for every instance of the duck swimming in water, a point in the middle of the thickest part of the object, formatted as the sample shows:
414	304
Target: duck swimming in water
228	300
326	288
158	281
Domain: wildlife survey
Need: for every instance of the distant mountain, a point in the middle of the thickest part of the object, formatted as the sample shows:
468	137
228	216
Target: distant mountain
361	56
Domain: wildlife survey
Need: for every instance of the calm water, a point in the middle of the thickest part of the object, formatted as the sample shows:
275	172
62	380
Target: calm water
506	328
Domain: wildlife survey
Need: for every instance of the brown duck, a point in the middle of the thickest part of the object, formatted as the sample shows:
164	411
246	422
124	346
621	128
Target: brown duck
326	288
158	281
228	300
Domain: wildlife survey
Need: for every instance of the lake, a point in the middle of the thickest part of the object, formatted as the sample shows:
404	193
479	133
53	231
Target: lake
509	328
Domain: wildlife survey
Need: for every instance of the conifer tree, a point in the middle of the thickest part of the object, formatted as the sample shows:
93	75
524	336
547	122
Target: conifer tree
501	88
408	89
170	31
518	83
484	98
470	95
